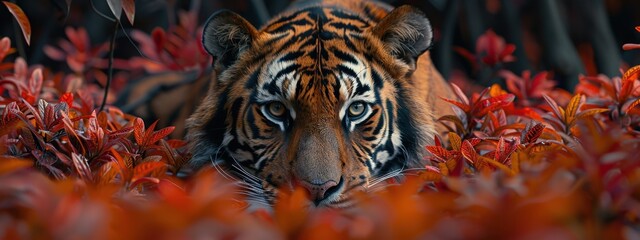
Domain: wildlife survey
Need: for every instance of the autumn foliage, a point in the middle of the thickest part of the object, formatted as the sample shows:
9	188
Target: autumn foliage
527	160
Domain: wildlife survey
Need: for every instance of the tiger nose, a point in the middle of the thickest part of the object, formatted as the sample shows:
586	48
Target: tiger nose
317	191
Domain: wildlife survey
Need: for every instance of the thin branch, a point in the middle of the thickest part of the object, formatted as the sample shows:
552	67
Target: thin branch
100	13
110	70
135	46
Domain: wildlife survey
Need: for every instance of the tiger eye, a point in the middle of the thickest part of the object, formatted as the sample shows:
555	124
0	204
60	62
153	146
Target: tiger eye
356	109
276	109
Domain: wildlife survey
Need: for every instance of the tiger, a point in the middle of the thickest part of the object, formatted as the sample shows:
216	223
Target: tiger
328	96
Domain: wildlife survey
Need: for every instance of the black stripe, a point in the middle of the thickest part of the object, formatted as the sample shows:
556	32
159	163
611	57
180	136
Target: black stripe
378	83
291	56
343	55
346	70
344	15
253	79
345	26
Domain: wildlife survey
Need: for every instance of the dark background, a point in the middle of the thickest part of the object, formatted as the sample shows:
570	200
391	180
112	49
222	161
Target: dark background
566	37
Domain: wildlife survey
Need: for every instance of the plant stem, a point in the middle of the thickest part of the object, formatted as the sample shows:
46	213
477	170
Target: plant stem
110	67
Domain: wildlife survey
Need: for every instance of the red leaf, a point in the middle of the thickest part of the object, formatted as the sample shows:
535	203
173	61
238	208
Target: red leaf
159	38
116	8
157	135
81	166
632	104
22	19
455	120
146	169
554	106
138	130
439	152
491	104
468	151
460	105
628	79
67	98
459	93
129	7
175	143
533	133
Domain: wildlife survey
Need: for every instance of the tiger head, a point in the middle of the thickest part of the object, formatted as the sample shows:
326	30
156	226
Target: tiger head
320	98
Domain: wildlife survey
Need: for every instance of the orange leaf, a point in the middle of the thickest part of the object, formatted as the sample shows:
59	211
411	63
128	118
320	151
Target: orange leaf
148	168
444	170
455	141
498	165
631	74
160	134
22	19
431	175
439	152
495	90
138	130
573	107
129	7
588	113
633	104
491	104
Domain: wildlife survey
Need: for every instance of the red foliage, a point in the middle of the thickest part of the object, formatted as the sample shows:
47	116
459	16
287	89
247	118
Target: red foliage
517	163
491	50
179	49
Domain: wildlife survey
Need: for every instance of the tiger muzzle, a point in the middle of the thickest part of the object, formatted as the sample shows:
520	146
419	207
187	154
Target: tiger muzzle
317	165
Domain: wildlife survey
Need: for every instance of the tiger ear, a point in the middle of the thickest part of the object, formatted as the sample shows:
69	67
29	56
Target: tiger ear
406	33
226	35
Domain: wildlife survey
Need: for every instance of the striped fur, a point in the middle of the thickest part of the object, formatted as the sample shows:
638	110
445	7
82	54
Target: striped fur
317	60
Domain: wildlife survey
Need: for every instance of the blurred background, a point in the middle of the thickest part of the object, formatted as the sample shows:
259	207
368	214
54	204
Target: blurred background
565	38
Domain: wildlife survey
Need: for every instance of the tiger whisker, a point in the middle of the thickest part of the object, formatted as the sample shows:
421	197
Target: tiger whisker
224	174
361	184
384	177
240	169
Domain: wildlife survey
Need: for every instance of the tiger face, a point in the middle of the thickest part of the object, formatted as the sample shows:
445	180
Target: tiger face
322	97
